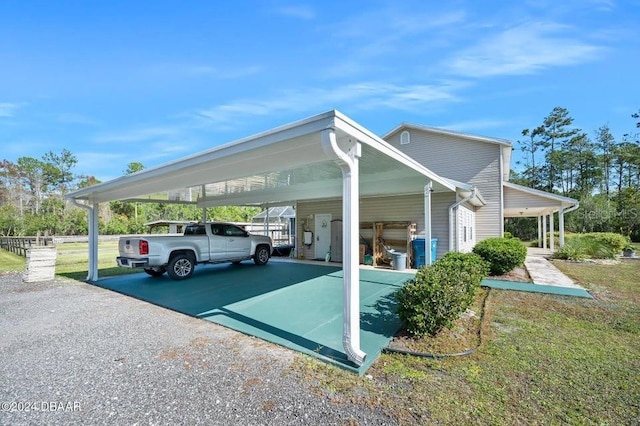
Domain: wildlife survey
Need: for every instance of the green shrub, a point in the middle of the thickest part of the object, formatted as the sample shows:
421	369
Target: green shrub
595	245
574	249
503	254
507	234
609	240
440	292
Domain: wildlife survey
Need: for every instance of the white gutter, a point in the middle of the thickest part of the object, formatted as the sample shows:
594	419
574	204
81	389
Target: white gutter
348	163
561	214
452	207
570	209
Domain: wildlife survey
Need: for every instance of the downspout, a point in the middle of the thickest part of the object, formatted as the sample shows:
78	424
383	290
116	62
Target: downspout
92	272
428	189
452	207
348	163
561	214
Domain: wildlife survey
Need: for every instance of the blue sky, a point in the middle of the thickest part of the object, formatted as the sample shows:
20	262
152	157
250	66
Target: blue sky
122	81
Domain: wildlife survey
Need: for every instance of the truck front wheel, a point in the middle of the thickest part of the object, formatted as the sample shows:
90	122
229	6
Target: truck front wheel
262	255
181	266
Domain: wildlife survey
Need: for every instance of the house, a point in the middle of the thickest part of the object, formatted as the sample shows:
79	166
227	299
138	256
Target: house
477	166
345	181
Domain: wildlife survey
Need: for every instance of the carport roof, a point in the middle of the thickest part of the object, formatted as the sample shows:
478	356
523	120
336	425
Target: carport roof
279	166
521	201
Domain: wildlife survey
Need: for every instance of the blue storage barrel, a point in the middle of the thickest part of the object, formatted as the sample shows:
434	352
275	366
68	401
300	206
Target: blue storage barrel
419	251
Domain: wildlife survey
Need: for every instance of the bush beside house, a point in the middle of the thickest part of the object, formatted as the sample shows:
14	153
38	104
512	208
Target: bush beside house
594	245
440	293
503	254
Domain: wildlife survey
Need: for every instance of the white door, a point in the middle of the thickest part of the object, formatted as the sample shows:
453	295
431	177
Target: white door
466	229
217	242
322	235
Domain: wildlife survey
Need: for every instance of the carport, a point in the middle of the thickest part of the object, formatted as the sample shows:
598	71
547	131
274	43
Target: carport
327	156
521	201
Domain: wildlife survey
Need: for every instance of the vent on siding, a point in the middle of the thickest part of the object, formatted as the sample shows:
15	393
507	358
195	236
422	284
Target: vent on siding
405	138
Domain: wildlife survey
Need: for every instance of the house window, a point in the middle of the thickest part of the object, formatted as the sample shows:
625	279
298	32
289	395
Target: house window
465	234
405	138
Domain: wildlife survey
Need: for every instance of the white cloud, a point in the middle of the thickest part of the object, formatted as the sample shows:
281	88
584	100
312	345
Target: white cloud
300	11
604	5
382	39
524	49
8	109
364	95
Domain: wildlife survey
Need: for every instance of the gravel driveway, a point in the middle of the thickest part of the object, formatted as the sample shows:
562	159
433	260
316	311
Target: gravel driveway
72	353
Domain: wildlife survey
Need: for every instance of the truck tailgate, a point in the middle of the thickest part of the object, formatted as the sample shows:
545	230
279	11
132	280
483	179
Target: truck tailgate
129	246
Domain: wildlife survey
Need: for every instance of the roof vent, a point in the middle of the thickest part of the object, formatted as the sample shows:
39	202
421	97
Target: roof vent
405	138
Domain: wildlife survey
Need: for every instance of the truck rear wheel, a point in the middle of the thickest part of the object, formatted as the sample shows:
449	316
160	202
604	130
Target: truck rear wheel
181	266
262	255
156	271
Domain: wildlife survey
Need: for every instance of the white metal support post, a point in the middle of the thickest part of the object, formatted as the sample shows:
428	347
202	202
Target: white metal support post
561	227
428	188
552	229
92	274
539	231
204	209
544	231
348	160
92	221
267	223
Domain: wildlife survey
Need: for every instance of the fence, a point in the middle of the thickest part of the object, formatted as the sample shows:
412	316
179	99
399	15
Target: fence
279	232
20	245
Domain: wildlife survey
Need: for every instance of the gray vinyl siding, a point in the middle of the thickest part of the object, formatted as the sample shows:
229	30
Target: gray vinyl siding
469	161
409	208
521	199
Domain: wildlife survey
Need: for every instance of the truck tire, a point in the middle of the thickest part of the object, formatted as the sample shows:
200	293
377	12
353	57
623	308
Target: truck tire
262	255
156	271
181	266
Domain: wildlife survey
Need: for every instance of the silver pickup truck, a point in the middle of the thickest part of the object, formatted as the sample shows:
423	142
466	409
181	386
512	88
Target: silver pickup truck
177	255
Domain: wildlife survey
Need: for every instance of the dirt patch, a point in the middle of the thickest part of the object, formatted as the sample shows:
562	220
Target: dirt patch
518	274
463	336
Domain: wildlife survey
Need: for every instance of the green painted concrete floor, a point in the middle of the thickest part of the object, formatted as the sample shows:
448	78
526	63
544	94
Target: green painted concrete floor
298	306
536	288
295	305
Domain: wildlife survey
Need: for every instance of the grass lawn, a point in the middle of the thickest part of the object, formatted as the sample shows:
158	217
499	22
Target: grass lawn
544	360
10	262
73	261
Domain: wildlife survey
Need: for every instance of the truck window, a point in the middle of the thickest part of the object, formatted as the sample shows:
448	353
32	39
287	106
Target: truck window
234	231
195	230
217	229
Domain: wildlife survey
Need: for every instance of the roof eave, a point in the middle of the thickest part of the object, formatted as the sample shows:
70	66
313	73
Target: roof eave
470	136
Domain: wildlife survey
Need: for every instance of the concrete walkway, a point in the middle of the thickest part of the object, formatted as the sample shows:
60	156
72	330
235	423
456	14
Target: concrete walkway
543	272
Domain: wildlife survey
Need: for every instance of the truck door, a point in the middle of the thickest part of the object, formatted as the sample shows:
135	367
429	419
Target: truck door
238	241
217	242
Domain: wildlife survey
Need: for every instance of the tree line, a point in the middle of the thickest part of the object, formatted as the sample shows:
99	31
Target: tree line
601	171
32	200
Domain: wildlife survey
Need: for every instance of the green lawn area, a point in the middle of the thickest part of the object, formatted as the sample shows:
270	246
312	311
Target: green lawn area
73	260
10	262
544	360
